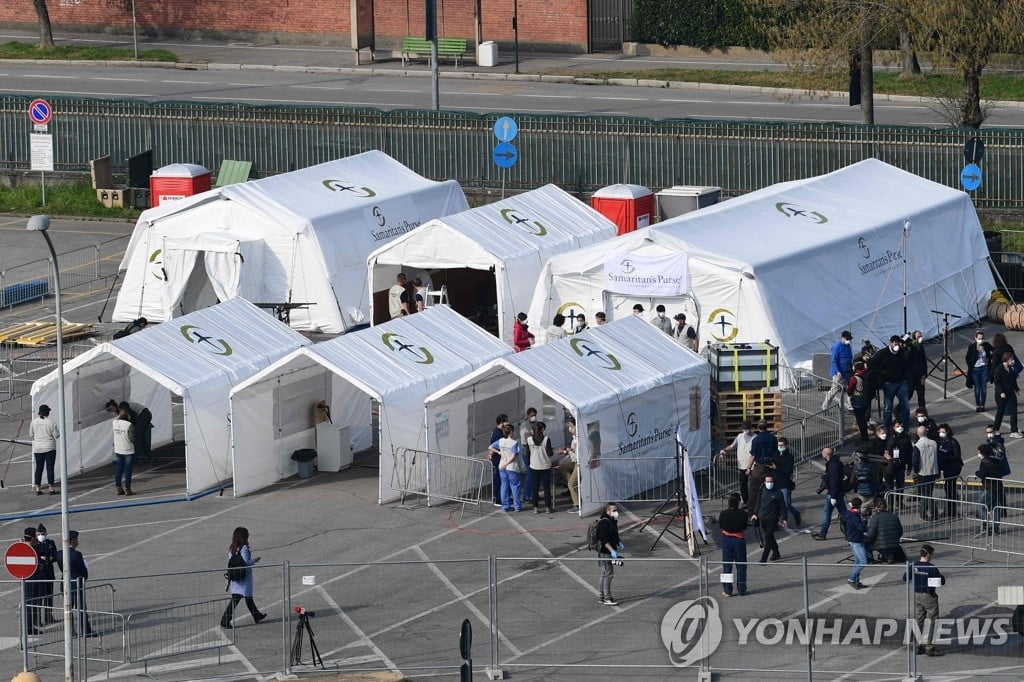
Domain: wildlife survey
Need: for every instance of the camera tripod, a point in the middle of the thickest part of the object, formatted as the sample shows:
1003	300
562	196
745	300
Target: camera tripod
945	360
303	626
676	509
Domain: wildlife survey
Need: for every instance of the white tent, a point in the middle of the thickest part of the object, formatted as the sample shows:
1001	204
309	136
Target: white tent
181	371
506	243
630	387
299	237
395	365
795	263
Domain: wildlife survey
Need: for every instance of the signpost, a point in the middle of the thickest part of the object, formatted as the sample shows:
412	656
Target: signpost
505	155
21	561
41	142
974	150
970	177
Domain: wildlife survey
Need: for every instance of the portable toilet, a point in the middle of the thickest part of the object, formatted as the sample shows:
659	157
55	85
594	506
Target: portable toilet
177	181
630	207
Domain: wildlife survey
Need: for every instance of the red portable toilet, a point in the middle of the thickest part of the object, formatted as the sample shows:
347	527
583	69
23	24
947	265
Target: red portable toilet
628	206
177	181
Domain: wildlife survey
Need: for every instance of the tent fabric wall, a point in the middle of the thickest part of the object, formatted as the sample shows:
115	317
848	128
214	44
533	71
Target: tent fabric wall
514	236
631	387
799	262
197	358
396	364
317	226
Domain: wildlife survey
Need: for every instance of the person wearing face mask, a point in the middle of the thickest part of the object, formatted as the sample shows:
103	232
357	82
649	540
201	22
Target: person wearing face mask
892	364
49	556
978	359
990	472
840	369
922	419
608	548
661	321
899	452
951	463
571	455
522	337
926	471
993	438
782	467
1004	383
856	531
856	388
525	435
917	367
771	508
1000	346
741	446
581	324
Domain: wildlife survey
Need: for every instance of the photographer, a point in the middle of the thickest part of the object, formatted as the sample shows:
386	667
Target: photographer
608	548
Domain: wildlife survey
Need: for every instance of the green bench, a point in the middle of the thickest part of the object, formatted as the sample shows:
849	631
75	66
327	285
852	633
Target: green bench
420	47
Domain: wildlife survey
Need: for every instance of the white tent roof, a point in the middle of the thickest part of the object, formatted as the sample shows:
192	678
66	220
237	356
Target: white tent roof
515	236
397	363
800	261
319	223
197	357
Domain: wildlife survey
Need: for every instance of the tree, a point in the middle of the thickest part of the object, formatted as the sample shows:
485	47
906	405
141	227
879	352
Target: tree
45	29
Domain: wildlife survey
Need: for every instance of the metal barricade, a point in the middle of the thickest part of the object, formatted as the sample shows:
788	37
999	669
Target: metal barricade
176	630
927	518
437	476
1013	491
97	621
409	474
1008	531
637	479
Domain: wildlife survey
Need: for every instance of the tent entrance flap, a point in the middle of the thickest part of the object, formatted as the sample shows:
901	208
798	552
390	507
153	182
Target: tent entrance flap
203	270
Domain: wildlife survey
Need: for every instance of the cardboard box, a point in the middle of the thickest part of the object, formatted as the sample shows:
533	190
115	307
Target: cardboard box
103	196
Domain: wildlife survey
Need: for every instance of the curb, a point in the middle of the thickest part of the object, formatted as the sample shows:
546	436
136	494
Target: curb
790	93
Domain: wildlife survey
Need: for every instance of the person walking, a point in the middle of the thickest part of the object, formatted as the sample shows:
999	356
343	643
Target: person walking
44	433
991	470
49	556
733	523
243	588
540	464
124	451
763	448
840	369
884	532
917	367
834	495
741	446
608	548
770	510
926	602
509	469
856	531
856	388
1004	384
783	466
978	359
892	365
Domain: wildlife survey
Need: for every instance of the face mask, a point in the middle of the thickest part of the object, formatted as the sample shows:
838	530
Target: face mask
614	515
769	486
990	435
922	420
942	434
899	429
782	448
894	348
980	341
661	315
41	538
533	418
882	436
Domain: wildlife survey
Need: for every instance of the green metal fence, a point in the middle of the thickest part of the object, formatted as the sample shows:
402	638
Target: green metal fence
579	153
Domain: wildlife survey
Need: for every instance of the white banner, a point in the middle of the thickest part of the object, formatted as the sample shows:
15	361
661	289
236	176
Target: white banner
41	151
653	276
696	514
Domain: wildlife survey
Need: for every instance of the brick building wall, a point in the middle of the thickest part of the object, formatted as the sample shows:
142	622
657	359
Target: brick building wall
559	25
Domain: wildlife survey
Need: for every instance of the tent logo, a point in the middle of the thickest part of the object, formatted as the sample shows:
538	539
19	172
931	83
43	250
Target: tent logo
627	266
864	250
691	630
342	186
156	265
631	426
723	325
510	216
194	334
394	343
584	349
793	211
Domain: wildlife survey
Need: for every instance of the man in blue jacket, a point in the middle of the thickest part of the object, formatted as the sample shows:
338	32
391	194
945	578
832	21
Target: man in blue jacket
833	481
840	369
855	532
926	601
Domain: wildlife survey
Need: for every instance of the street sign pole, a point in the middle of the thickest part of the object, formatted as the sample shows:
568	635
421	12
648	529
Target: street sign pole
41	113
505	154
21	561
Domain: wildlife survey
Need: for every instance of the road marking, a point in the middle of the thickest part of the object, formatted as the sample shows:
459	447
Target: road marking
188	82
356	629
131	80
247	85
85	93
49	76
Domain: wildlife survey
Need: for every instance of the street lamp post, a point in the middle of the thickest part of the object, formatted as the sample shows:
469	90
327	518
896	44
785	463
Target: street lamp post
41	223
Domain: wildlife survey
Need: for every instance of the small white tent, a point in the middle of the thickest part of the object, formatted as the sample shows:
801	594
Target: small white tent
395	365
632	390
181	371
299	237
492	254
794	263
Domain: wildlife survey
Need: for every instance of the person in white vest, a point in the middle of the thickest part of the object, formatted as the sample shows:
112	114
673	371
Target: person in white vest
683	333
741	446
44	434
124	451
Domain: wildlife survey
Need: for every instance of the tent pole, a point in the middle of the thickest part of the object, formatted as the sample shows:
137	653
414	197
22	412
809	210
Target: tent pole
906	245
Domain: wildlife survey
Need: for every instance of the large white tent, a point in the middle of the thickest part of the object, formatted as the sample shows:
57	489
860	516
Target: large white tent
183	372
632	390
394	365
299	237
795	263
494	253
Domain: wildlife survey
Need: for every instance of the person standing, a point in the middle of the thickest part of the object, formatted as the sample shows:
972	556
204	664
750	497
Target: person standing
522	337
556	330
892	365
993	438
44	433
733	523
684	334
124	451
741	446
79	573
990	472
926	601
856	530
900	454
395	296
763	448
581	324
499	425
243	588
951	463
525	433
917	367
572	456
840	369
783	467
856	388
601	318
608	548
978	359
884	532
1004	383
834	496
661	321
540	466
34	618
926	469
770	510
48	558
509	469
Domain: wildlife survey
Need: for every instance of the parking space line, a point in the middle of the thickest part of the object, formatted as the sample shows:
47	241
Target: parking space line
356	629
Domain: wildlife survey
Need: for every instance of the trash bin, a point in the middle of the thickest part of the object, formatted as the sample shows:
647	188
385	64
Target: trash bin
304	458
177	181
487	53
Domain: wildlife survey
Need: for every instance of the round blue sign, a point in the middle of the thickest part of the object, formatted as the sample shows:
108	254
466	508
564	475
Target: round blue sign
505	129
505	155
40	112
970	177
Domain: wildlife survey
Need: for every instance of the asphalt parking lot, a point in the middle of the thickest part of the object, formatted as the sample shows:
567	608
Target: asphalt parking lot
391	584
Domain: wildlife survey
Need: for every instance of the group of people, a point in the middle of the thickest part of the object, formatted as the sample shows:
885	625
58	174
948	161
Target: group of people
406	297
522	338
523	463
132	428
39	587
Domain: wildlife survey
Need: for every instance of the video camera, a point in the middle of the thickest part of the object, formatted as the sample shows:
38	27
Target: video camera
617	562
303	612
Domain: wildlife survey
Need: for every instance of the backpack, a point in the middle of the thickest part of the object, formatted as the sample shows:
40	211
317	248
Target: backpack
849	477
236	568
592	535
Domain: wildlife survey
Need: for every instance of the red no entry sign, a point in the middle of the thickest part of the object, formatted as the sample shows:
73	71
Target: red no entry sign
21	560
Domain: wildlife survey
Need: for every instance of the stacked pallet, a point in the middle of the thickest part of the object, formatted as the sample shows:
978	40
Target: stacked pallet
736	407
38	334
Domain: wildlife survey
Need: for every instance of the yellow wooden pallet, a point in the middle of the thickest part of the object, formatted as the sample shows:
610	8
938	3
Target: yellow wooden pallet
37	334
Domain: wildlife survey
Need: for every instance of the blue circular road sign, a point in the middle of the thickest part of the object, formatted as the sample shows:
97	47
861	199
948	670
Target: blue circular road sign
970	177
506	129
505	155
40	111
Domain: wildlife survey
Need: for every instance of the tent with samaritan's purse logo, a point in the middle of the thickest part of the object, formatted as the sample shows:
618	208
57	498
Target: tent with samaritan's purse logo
389	369
633	391
795	264
182	371
295	238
